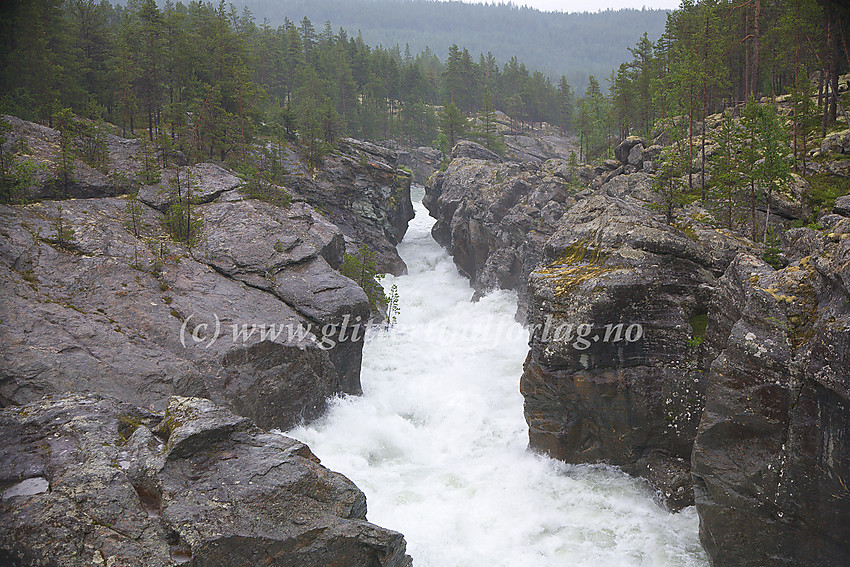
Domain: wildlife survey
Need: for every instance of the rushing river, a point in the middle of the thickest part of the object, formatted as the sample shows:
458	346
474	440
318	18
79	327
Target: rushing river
438	442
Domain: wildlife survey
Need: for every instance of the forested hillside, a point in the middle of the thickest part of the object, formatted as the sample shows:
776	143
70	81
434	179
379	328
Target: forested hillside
714	55
208	78
574	45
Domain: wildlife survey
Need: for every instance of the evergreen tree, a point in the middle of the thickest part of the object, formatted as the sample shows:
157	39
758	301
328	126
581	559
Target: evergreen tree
453	124
488	133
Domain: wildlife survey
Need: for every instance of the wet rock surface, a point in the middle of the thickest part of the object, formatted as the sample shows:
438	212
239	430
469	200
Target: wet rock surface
495	217
88	480
362	191
251	315
612	374
142	318
771	456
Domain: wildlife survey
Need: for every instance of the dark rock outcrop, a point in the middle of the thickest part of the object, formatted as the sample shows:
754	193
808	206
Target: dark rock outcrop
626	153
772	455
208	182
494	218
612	374
473	150
842	206
362	191
133	315
422	161
89	480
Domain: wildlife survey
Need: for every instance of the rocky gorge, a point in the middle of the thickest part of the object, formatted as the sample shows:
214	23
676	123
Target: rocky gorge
140	374
672	351
118	340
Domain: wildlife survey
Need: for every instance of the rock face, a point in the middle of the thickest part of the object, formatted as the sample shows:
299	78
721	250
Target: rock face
208	180
131	314
772	454
472	150
494	218
89	480
837	142
42	146
362	191
842	206
537	144
612	373
423	162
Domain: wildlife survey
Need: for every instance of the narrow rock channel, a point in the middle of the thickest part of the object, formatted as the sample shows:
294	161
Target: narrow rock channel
438	442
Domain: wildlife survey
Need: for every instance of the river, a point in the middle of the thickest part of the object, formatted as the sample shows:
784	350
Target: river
438	442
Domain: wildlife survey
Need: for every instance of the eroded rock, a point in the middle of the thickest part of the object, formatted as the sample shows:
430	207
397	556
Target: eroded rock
141	318
129	487
772	448
612	374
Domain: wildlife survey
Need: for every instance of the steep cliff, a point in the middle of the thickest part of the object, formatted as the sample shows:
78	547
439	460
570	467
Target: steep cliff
495	217
615	314
772	456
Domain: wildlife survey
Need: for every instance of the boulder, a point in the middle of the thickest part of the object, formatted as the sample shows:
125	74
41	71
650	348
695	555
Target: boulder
636	155
652	152
472	150
624	148
837	142
89	480
842	206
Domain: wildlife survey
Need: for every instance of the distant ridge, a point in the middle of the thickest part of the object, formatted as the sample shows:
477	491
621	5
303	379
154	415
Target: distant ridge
575	45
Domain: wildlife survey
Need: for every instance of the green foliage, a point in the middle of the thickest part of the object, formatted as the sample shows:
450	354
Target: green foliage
671	165
393	308
728	176
91	141
179	219
772	250
802	223
63	233
259	184
133	210
362	268
63	120
17	174
825	189
150	173
487	133
453	125
593	116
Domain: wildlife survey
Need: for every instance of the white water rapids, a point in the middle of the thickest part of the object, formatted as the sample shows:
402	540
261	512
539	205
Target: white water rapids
438	442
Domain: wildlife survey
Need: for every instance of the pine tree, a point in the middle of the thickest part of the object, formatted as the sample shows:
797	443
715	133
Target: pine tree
728	178
488	134
671	165
453	124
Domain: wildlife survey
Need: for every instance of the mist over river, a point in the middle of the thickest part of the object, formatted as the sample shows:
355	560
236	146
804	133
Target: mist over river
438	442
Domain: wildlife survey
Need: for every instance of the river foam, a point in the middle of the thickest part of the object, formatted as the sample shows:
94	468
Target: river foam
438	442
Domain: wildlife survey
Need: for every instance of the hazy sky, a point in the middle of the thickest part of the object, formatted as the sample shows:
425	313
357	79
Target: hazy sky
588	5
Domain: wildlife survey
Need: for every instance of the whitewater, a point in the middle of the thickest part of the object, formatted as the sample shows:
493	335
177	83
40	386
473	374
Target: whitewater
438	442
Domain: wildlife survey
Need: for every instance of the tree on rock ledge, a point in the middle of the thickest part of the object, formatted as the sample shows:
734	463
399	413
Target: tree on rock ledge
453	124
